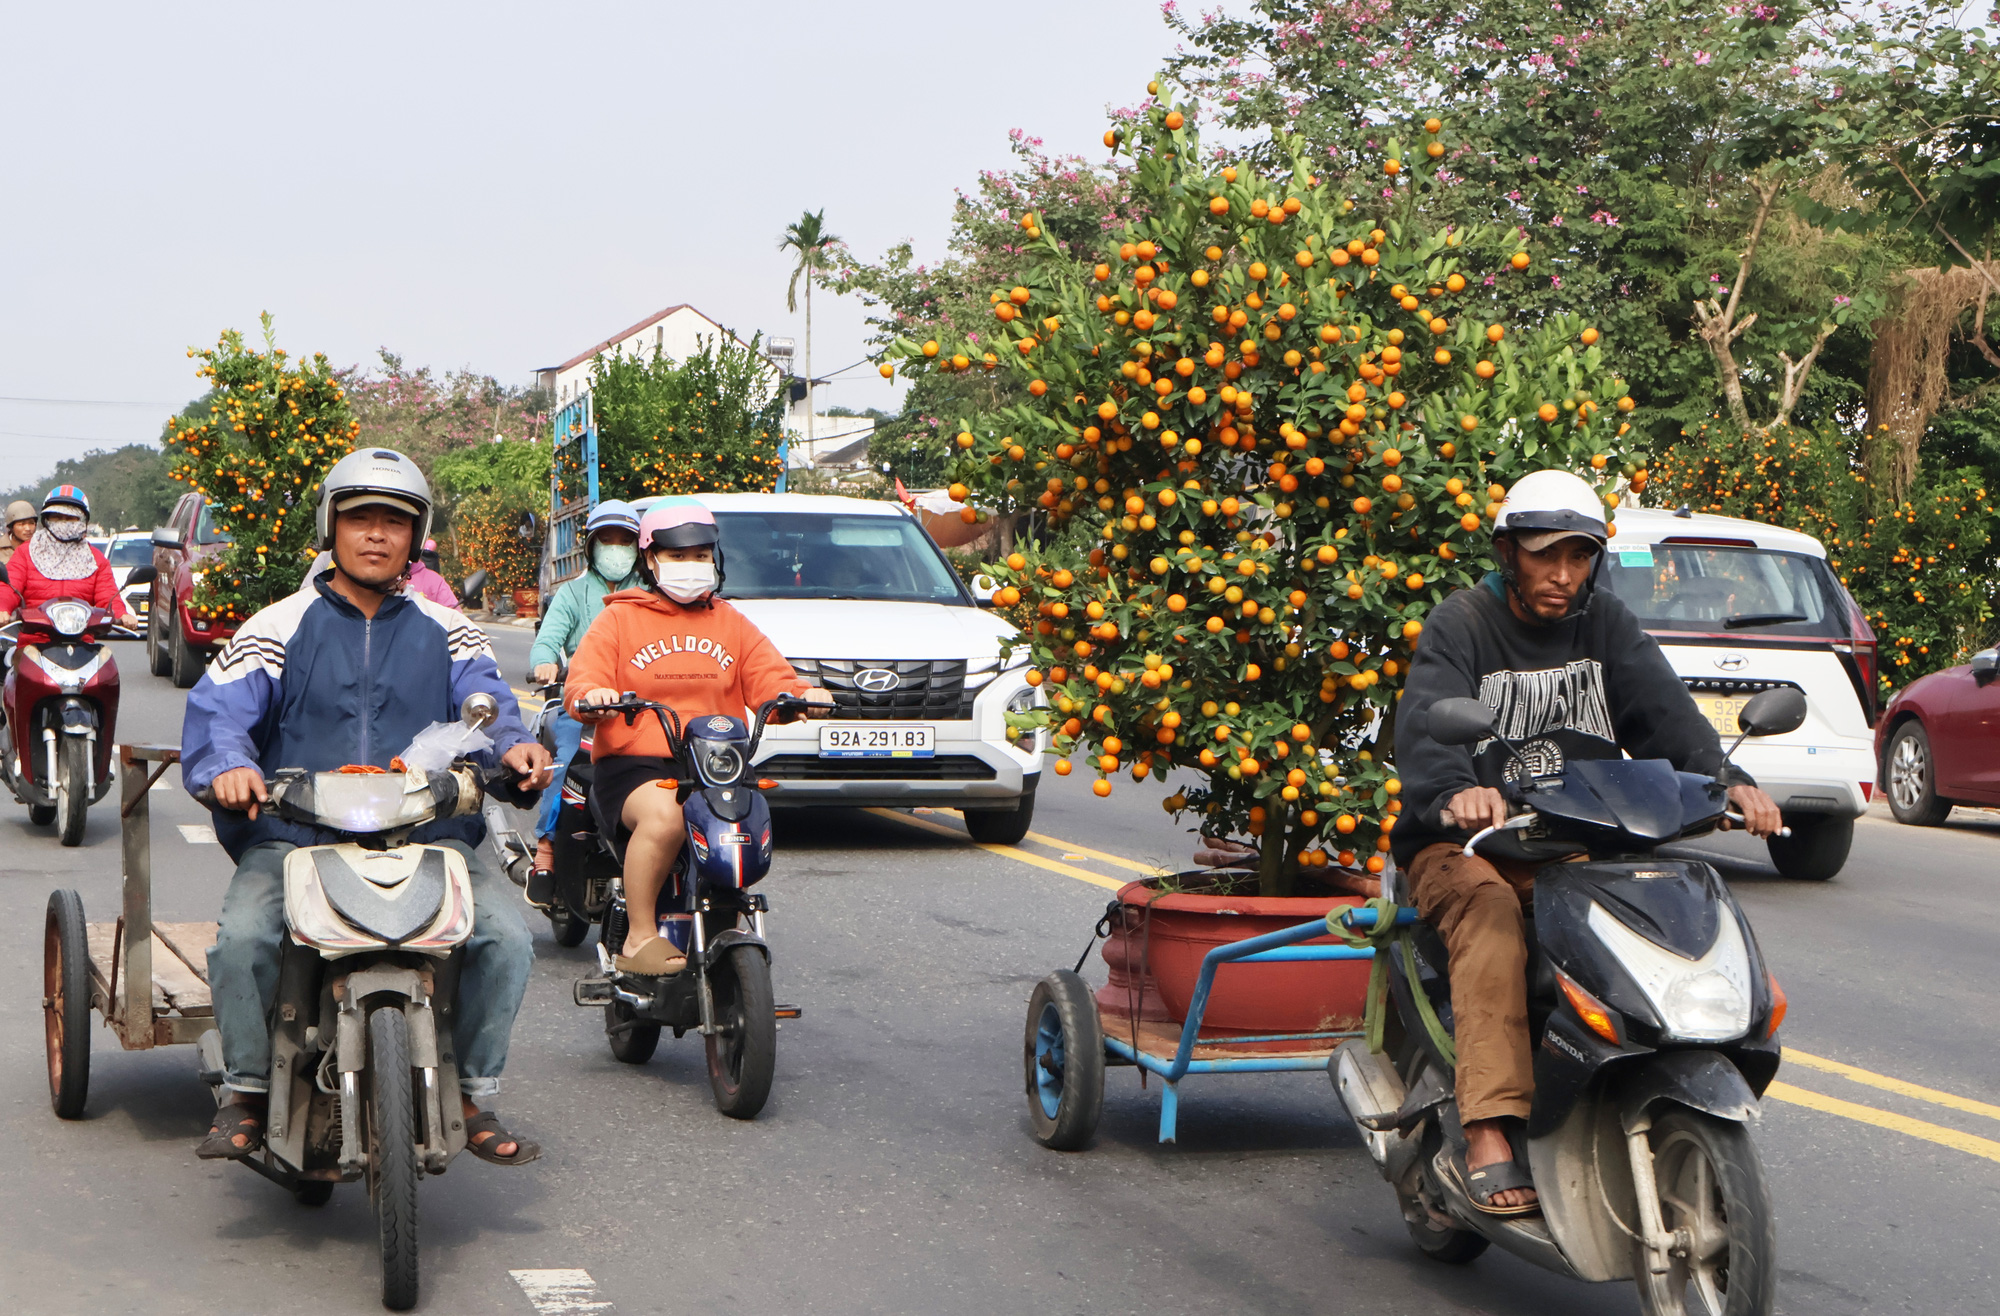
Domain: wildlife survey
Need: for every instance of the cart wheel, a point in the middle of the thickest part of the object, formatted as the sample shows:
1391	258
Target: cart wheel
312	1192
66	1004
1063	1057
41	815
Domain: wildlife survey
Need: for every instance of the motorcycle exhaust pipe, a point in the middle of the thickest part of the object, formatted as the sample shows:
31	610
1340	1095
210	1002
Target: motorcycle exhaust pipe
1372	1092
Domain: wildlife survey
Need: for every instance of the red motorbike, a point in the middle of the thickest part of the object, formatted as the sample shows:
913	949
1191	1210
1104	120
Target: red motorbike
61	707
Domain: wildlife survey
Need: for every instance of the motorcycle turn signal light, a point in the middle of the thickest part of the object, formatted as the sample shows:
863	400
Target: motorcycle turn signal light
1778	1005
765	783
668	784
1596	1017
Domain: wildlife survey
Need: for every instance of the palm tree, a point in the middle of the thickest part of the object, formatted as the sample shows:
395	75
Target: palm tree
809	238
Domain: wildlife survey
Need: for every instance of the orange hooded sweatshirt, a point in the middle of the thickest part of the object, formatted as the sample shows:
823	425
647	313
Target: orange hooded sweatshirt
700	660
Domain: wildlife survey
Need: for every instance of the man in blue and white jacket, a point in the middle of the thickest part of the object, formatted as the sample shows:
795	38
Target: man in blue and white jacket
347	671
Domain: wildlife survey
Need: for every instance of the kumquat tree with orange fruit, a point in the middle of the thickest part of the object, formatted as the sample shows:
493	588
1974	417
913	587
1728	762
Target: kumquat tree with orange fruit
1265	446
272	429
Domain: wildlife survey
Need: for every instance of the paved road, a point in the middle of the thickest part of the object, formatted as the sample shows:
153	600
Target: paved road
892	1171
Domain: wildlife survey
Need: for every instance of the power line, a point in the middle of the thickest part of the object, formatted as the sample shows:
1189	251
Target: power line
91	402
71	438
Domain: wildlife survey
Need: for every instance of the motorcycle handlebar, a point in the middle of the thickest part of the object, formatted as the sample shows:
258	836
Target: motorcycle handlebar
1739	820
1514	824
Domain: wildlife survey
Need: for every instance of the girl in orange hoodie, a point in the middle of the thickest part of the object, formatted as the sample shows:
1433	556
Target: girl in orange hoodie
675	643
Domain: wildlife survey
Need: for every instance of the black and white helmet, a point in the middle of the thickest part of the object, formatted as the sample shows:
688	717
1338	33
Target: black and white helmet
375	477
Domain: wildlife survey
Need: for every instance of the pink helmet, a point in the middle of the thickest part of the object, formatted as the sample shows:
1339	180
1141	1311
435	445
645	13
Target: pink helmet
677	523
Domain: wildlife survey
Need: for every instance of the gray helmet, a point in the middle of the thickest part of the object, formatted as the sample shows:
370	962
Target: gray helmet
376	477
20	510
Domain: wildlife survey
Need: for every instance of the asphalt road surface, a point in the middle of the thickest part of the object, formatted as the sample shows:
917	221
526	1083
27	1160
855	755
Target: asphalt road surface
893	1172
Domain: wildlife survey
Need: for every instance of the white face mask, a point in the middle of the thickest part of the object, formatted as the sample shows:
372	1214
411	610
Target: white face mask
66	529
684	582
615	561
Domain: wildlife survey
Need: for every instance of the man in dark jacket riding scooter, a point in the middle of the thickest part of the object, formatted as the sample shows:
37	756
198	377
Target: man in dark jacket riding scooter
1571	675
347	671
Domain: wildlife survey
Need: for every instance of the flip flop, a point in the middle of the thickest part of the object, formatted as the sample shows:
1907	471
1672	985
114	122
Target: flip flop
1488	1181
657	958
245	1121
488	1122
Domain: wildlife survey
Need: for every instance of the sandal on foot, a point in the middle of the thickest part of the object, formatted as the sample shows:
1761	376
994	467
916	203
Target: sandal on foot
232	1121
658	958
1489	1181
488	1122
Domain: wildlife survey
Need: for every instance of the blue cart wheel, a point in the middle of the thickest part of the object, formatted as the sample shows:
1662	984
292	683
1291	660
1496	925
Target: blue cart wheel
1063	1058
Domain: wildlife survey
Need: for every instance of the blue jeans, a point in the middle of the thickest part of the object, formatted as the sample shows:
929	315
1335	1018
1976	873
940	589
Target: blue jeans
243	971
569	737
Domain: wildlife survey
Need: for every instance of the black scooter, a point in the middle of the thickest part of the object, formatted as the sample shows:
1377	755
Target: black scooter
576	891
1654	1026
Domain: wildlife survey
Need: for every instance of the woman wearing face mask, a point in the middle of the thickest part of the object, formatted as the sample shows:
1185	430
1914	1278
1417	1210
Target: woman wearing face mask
676	643
57	563
611	555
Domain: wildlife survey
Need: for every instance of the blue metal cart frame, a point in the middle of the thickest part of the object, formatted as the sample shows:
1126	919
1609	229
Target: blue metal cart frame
1280	947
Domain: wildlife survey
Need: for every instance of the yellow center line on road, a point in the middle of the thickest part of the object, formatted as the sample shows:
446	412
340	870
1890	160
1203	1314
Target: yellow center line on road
1883	1119
1887	1084
1149	870
1004	851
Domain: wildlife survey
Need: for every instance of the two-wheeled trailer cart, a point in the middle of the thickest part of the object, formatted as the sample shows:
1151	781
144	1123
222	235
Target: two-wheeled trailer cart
149	980
1067	1048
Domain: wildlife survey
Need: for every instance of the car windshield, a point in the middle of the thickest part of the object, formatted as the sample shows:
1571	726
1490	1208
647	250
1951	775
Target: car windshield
1711	588
205	531
130	552
819	555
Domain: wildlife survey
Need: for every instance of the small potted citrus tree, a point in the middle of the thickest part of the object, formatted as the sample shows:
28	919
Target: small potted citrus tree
1267	428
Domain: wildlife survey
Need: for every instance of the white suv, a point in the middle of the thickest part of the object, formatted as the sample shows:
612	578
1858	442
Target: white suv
1737	608
863	603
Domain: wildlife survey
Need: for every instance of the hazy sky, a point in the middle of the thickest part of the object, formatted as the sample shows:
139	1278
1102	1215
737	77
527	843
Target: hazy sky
490	185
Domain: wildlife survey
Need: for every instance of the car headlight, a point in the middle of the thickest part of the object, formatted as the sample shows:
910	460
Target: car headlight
68	618
1704	1000
720	763
1025	700
1017	658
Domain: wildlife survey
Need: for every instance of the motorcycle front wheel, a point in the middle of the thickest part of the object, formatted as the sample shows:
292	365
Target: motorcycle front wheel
1711	1185
392	1159
743	1050
72	789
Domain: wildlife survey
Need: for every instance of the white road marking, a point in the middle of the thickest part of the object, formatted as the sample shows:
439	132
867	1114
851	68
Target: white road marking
561	1292
161	785
197	833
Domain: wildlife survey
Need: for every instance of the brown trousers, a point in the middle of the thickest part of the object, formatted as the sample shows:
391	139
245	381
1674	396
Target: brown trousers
1475	904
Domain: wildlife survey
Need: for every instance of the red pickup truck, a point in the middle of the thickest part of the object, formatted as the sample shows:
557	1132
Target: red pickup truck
178	644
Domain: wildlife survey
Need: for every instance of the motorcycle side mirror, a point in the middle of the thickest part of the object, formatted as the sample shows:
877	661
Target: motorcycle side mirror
478	710
1774	712
1461	721
165	537
474	586
141	576
1985	665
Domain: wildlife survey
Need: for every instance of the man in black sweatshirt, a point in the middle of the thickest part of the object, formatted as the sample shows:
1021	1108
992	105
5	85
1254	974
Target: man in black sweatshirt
1571	675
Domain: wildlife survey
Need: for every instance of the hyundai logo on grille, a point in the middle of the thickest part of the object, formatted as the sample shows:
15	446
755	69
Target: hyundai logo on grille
1732	662
876	680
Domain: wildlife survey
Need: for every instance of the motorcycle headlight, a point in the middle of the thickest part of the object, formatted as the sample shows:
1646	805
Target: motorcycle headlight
68	618
719	762
1704	1000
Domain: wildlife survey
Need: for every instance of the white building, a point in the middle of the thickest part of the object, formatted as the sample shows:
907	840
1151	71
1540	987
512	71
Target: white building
836	441
676	332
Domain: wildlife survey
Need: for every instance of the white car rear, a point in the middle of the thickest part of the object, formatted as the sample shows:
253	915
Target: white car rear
858	598
126	550
1739	607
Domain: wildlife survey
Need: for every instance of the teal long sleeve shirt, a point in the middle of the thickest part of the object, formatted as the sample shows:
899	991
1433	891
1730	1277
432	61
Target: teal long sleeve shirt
571	611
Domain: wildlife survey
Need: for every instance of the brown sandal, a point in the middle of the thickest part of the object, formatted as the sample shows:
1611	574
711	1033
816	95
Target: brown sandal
247	1122
657	958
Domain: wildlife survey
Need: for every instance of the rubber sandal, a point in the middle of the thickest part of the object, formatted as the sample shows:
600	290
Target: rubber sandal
1483	1184
488	1122
658	958
246	1121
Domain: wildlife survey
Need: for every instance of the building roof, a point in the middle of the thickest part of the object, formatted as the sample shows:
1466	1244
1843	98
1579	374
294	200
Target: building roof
623	334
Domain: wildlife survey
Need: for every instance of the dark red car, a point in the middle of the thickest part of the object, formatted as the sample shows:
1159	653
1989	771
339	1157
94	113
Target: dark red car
1938	743
179	644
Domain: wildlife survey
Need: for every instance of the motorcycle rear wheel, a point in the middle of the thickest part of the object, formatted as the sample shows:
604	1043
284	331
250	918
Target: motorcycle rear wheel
743	1051
1711	1183
566	926
392	1178
72	789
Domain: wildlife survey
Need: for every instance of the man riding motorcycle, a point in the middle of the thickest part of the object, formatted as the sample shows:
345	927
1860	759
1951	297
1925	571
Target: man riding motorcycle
1572	675
348	671
611	554
21	524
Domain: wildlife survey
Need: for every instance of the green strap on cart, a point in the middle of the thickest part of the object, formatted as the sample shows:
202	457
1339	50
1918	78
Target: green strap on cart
1388	935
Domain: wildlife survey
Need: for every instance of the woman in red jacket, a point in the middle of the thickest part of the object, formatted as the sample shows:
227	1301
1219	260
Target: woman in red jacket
57	563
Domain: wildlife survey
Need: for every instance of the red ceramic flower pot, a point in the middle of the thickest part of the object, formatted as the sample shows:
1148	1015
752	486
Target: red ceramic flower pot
527	602
1171	933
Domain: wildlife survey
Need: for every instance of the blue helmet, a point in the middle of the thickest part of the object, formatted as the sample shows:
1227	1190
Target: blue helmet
611	514
67	495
